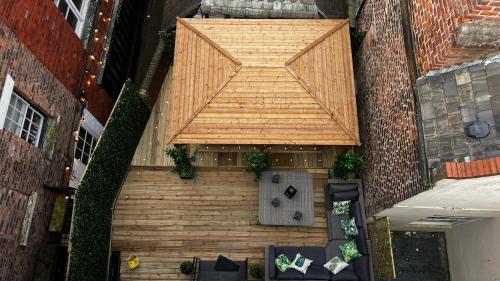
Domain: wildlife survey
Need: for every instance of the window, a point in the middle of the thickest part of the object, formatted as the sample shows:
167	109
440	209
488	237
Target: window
24	120
73	11
84	146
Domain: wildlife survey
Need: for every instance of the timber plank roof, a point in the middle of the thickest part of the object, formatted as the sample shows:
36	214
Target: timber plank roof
263	82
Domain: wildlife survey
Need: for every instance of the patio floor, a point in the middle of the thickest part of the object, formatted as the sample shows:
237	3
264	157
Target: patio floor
164	220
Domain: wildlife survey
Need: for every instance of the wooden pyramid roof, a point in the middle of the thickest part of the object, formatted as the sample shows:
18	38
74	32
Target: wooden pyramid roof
242	81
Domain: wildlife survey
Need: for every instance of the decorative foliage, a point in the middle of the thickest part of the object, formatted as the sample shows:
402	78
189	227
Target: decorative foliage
257	163
257	271
186	267
356	40
348	165
168	38
183	166
101	184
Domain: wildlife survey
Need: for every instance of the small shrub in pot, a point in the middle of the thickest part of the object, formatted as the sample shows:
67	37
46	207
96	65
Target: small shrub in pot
186	267
183	166
257	163
257	271
348	165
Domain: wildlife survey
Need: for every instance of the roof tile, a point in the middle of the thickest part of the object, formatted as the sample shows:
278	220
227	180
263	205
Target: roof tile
475	168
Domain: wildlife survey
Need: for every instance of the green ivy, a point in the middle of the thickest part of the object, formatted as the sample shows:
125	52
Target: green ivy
168	38
101	184
257	163
182	161
348	165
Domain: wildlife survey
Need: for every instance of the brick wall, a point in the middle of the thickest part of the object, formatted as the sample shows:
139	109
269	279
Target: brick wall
435	24
387	110
41	27
24	168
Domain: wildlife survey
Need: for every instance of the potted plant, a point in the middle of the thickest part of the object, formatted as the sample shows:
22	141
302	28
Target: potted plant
257	271
347	166
186	267
183	166
257	163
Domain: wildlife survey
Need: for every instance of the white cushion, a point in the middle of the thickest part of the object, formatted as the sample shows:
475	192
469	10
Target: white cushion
301	263
335	265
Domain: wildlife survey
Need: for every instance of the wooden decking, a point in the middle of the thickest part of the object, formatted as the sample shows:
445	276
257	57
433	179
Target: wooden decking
165	220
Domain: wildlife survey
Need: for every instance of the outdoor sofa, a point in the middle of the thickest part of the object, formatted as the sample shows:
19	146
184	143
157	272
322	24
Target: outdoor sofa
207	271
359	269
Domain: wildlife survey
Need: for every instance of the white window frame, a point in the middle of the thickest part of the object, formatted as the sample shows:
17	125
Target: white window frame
7	94
92	145
80	15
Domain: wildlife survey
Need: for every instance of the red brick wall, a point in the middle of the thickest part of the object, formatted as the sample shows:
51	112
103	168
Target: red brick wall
41	27
24	168
387	109
434	25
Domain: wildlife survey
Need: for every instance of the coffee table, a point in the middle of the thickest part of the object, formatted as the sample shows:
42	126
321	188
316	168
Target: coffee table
303	201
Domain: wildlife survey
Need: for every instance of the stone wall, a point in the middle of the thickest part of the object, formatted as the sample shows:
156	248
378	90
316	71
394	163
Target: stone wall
24	168
387	109
435	25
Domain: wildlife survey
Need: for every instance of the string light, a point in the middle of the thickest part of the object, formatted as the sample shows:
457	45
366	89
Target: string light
99	35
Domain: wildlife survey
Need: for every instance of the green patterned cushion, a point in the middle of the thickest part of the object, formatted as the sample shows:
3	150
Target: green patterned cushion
282	262
349	251
335	265
301	263
340	207
349	227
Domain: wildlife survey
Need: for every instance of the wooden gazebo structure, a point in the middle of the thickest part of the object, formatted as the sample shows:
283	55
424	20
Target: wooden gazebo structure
263	82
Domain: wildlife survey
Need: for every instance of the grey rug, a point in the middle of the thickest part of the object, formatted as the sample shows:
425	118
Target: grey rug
303	201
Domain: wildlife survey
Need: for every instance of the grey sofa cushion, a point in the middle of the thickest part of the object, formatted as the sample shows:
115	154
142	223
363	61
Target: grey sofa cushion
221	275
346	195
290	252
362	268
317	254
335	228
341	187
346	275
270	262
332	249
225	264
289	274
361	243
355	212
208	273
316	271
